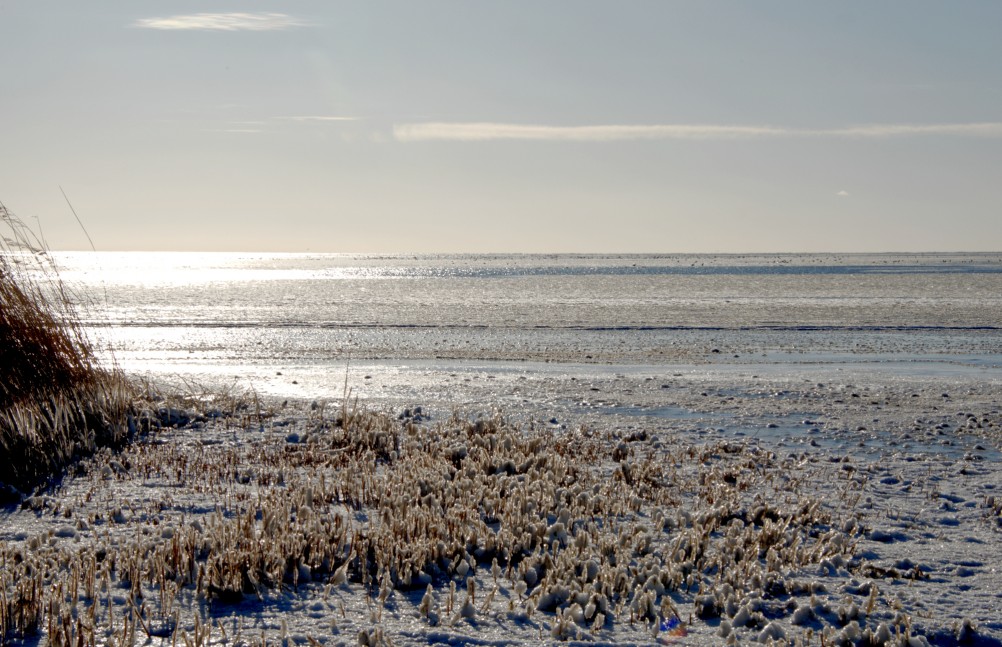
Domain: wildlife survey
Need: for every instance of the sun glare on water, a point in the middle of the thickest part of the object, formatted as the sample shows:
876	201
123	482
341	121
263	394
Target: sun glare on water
173	269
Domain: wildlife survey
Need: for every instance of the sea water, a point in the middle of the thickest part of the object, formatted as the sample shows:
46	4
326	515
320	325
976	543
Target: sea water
289	323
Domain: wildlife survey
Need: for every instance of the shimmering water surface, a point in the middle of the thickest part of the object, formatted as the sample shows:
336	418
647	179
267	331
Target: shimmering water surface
227	316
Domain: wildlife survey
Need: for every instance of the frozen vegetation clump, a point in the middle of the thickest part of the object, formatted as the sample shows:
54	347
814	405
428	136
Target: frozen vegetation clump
56	402
452	525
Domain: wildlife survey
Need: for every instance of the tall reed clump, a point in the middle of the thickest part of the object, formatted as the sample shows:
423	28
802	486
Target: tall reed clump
56	401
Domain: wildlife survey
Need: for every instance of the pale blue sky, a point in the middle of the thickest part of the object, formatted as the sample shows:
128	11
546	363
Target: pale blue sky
572	126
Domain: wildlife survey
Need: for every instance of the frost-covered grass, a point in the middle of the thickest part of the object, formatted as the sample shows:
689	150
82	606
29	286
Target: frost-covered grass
56	402
255	525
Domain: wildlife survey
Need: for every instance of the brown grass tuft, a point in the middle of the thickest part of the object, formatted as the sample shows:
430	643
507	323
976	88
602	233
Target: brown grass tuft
56	401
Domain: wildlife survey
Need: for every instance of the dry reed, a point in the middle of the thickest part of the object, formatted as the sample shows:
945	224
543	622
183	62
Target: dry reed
56	401
553	527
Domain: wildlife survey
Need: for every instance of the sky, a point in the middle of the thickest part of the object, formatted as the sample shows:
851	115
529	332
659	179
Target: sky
517	126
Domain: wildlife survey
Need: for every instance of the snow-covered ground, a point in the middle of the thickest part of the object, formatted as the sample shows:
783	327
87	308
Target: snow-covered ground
595	505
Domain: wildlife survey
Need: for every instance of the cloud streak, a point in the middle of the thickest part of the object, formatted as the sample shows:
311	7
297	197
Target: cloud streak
983	129
487	131
305	118
494	131
243	131
223	22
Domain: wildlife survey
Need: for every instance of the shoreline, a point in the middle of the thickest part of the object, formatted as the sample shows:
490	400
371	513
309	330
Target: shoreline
395	381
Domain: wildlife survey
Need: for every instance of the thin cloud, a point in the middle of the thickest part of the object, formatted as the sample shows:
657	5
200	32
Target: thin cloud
494	131
983	129
487	131
843	194
223	22
319	118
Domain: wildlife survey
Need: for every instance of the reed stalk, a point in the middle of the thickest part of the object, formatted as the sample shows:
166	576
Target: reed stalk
57	402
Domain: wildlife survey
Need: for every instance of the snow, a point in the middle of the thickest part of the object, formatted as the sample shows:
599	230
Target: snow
862	507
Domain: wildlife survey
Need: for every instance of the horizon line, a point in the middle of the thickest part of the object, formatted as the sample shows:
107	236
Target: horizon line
536	253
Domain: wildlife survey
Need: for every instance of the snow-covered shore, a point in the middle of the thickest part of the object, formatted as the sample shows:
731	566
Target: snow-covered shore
593	509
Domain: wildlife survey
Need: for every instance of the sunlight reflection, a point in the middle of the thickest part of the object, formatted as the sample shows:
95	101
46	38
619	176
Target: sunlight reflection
167	269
